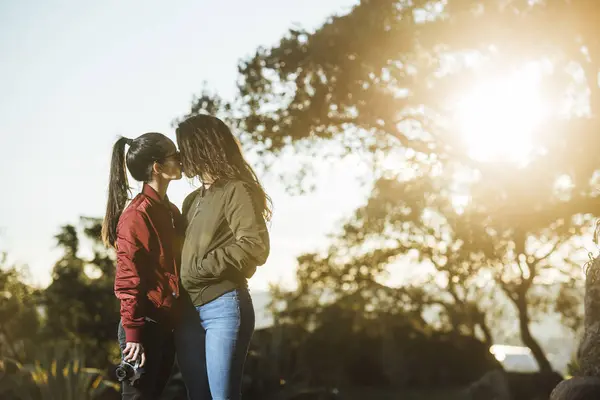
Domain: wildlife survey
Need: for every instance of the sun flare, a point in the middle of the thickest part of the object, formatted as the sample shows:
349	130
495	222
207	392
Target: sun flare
497	118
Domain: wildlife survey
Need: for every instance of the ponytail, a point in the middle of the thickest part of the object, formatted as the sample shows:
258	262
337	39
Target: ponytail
118	189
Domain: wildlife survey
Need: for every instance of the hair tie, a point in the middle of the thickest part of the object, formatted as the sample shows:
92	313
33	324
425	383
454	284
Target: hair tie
129	142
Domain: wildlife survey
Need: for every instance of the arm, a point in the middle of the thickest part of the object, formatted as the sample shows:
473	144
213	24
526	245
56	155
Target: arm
251	246
132	237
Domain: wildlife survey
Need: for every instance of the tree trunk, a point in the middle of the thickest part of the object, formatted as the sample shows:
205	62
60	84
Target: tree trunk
487	333
528	339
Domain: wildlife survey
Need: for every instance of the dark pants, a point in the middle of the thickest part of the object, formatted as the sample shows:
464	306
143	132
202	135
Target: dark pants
160	355
212	342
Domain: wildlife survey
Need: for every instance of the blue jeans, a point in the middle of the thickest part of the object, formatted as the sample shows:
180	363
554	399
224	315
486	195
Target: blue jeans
212	342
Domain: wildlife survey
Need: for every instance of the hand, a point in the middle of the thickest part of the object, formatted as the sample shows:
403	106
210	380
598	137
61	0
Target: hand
133	351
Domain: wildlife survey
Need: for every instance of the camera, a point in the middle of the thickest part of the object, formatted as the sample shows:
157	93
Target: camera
129	371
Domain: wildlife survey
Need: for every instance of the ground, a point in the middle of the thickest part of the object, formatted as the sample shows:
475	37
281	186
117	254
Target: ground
378	394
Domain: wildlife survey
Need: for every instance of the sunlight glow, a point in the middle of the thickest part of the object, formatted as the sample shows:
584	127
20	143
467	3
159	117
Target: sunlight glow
460	202
498	117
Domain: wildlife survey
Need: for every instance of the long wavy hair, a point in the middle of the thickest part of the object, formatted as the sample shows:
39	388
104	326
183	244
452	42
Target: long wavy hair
143	152
209	148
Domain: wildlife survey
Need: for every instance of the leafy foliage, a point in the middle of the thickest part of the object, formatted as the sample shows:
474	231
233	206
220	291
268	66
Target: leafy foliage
81	309
387	89
57	375
19	319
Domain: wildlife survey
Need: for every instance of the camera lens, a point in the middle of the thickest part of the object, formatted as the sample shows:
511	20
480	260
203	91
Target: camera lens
121	372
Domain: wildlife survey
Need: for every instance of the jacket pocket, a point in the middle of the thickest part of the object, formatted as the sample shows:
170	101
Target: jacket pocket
206	274
155	298
195	276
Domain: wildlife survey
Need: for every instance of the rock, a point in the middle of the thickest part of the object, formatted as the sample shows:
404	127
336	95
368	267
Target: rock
532	386
491	386
577	388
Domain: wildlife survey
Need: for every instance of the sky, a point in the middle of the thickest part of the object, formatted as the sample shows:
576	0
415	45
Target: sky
74	75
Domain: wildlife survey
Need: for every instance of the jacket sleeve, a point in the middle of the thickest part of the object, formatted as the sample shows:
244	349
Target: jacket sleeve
251	246
132	240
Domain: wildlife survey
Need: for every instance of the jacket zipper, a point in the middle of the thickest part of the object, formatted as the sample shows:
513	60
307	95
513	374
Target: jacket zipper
198	201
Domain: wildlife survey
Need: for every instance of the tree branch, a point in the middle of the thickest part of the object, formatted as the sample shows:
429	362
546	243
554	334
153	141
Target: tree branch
559	242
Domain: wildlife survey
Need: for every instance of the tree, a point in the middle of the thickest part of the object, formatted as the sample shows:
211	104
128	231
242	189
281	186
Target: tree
476	258
19	318
80	305
376	82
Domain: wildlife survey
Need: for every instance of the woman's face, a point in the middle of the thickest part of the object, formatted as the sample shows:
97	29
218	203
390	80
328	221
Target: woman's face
169	167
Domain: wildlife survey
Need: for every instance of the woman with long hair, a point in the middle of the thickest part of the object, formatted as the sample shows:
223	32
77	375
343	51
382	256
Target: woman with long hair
147	235
226	239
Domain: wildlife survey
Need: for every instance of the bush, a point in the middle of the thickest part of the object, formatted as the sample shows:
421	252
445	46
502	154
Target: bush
62	377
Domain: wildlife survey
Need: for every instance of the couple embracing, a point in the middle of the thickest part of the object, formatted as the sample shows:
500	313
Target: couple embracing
182	276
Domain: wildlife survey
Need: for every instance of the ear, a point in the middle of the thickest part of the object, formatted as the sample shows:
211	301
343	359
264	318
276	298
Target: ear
156	168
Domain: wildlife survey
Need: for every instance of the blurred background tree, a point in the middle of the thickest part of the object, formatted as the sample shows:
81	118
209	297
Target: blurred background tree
478	123
19	317
79	305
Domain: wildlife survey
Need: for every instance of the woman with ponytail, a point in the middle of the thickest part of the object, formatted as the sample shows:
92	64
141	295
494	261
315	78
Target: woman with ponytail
147	235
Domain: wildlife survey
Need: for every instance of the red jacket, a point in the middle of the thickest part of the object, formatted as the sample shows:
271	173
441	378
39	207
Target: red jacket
149	240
